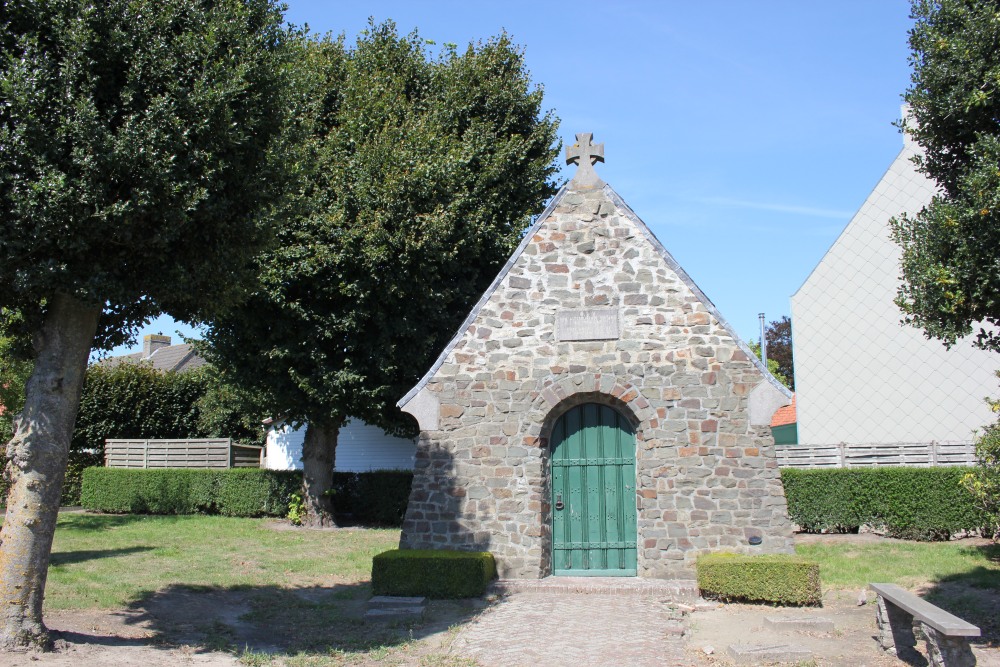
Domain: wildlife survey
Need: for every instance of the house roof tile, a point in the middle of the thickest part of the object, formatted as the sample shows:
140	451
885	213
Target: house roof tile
785	415
177	358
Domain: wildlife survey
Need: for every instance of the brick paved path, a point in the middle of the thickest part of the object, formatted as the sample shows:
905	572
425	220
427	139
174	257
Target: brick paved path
575	630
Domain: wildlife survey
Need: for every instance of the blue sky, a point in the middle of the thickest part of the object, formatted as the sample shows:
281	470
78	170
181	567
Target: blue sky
745	134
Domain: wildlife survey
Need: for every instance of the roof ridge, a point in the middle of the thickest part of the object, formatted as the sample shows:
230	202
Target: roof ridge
617	200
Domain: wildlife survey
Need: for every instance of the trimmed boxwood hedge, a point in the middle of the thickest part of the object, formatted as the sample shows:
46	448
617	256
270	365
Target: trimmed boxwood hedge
375	498
773	578
439	574
911	503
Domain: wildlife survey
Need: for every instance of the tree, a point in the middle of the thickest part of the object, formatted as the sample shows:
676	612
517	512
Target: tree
15	369
983	482
950	264
419	176
950	260
772	365
778	335
134	144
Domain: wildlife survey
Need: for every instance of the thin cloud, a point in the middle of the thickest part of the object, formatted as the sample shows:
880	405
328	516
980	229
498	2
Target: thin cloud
810	211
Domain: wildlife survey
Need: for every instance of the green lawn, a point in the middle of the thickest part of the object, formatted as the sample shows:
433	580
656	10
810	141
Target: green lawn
109	562
961	577
909	564
305	590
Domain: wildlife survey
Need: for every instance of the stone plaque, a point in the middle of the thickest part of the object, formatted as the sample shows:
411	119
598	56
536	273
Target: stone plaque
590	324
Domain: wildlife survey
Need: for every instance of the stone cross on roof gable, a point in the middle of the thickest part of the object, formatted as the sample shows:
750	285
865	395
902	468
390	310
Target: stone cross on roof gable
585	154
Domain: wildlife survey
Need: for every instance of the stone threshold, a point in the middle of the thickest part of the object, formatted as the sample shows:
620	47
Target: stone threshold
675	590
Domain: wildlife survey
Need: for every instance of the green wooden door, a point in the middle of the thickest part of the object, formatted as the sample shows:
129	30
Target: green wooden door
593	493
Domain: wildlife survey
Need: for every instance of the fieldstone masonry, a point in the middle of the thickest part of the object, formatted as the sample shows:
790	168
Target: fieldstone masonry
592	309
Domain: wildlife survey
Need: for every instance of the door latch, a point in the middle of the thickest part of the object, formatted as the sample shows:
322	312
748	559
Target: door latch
559	502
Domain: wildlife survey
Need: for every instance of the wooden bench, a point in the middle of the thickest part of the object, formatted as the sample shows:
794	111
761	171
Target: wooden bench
947	636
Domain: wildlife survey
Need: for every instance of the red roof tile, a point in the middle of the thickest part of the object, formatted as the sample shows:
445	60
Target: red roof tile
785	415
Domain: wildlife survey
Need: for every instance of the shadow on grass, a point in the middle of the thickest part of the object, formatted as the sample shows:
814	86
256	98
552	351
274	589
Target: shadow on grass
307	623
71	557
973	595
80	521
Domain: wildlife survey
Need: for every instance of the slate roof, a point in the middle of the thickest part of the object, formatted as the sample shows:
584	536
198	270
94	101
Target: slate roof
177	358
617	200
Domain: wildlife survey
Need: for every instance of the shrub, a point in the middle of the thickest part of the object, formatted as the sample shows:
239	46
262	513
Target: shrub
983	481
255	492
231	492
371	498
432	573
775	578
911	503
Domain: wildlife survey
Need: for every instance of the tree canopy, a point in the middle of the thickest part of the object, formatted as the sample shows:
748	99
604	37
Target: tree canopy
950	263
132	141
137	148
419	174
778	335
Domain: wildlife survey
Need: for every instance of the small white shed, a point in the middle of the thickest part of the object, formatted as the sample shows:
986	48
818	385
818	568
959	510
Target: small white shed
361	447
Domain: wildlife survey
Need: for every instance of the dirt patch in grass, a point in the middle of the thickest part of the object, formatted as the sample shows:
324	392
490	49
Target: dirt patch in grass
978	606
851	643
255	626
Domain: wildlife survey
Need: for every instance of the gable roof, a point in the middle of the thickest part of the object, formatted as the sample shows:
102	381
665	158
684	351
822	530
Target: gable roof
178	358
616	199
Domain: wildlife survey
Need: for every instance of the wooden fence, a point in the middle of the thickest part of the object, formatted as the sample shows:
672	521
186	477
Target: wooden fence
197	453
921	454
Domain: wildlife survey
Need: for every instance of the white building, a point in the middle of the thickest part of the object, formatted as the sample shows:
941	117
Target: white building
361	447
862	377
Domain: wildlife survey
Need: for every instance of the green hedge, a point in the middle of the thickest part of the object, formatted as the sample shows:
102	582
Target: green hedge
774	578
230	492
375	498
439	574
911	503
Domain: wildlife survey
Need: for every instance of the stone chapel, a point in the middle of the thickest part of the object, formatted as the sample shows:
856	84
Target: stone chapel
595	414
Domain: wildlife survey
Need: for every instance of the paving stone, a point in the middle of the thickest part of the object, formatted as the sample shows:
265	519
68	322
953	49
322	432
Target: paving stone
574	630
399	613
749	654
665	590
799	624
391	601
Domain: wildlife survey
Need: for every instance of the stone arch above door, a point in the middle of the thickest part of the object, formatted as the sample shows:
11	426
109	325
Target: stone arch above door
557	394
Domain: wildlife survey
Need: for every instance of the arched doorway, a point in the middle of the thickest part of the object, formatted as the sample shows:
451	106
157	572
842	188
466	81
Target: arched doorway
593	493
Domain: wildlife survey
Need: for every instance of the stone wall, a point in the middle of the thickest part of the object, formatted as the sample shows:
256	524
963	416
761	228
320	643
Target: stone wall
706	478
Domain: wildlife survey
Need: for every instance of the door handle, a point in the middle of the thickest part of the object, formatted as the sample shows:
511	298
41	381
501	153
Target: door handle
559	502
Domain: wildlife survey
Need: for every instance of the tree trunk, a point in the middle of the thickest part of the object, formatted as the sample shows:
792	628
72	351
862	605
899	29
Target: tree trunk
319	451
37	457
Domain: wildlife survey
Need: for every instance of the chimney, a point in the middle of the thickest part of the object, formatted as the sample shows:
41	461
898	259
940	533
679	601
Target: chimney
153	342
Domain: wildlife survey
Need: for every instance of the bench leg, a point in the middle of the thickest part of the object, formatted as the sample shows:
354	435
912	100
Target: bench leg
895	630
944	651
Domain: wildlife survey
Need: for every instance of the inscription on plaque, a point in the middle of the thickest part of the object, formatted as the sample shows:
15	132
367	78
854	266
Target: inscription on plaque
590	324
